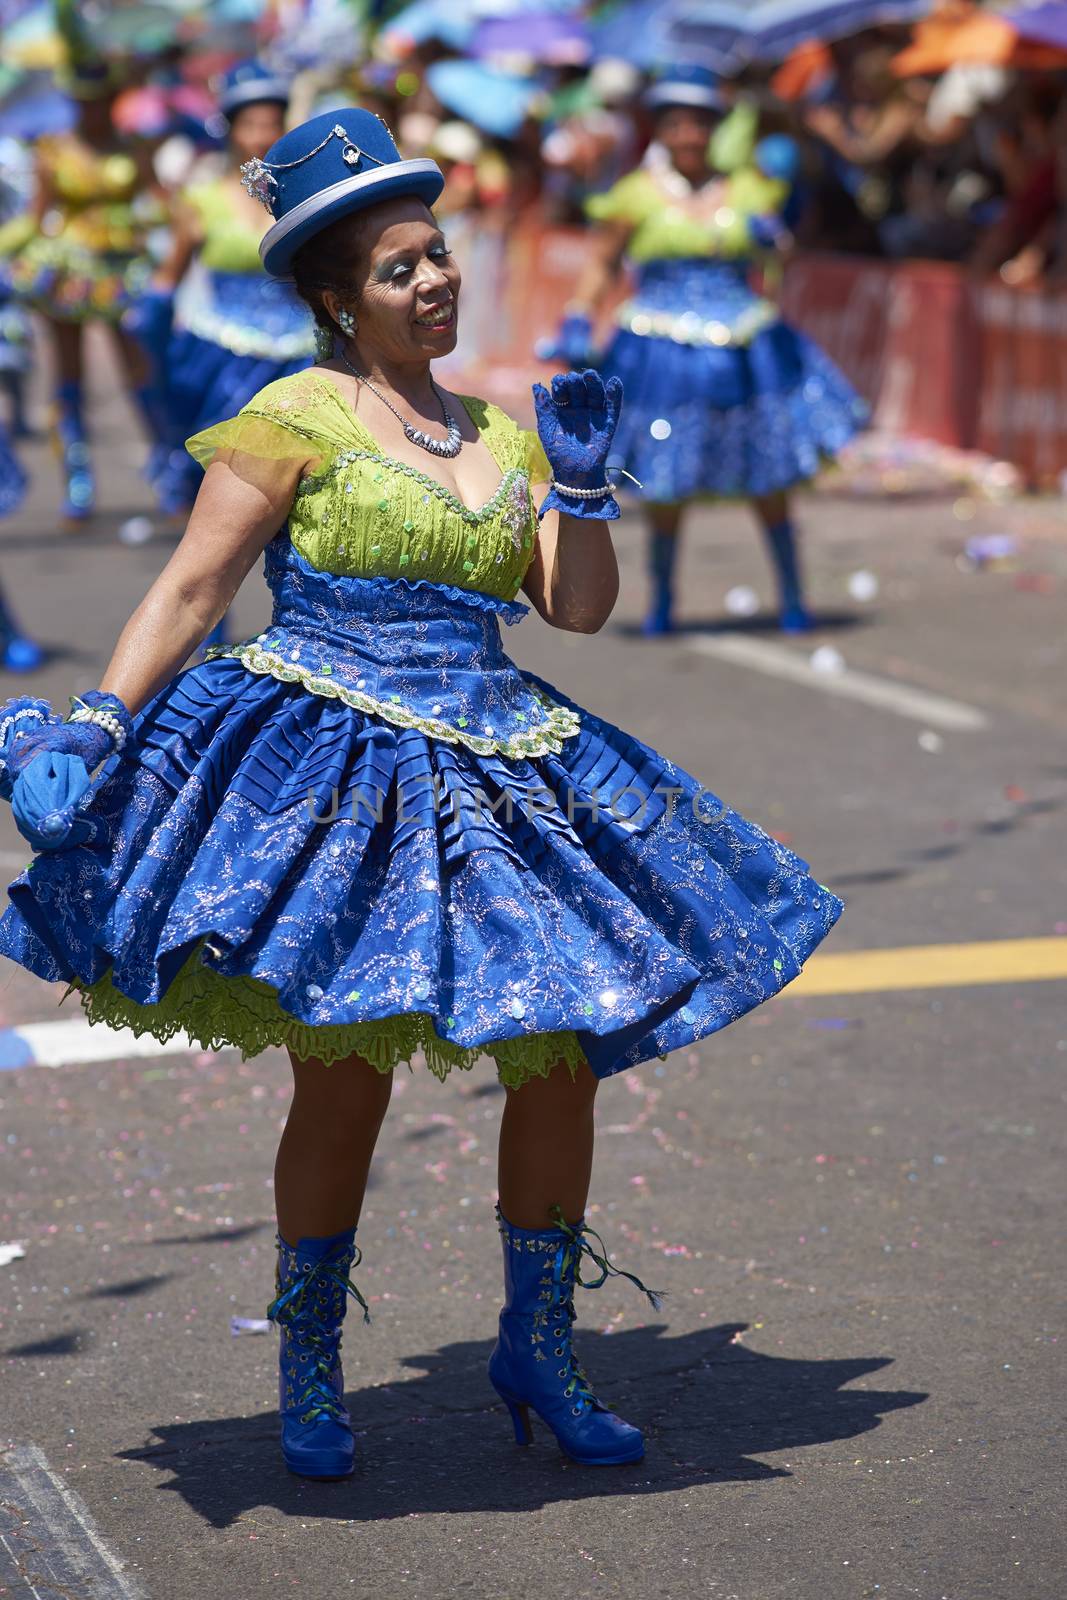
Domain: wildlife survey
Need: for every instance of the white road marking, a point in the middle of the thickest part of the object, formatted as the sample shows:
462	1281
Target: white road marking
60	1522
71	1043
780	661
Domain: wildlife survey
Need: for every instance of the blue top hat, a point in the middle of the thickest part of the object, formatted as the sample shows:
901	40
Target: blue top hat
685	85
340	162
249	83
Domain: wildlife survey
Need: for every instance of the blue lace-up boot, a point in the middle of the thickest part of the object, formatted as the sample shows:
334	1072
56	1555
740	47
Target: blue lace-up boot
793	614
72	446
533	1366
313	1289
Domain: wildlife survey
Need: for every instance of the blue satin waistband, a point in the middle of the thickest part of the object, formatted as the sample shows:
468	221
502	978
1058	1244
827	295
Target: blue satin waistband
415	653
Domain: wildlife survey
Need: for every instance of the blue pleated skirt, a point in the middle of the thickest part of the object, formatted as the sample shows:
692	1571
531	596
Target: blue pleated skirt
275	865
733	401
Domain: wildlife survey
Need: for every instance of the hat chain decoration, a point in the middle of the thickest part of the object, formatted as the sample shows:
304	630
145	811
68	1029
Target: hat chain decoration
257	176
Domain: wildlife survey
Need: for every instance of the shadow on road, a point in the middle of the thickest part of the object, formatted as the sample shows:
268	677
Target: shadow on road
437	1442
765	623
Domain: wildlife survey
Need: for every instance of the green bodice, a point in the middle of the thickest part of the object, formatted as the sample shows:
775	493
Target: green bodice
665	229
362	513
229	244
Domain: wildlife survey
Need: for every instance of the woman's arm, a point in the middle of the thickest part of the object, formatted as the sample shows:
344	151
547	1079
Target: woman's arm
573	579
234	518
187	235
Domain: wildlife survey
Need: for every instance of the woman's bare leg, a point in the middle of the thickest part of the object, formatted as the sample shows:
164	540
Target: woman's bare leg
324	1157
546	1147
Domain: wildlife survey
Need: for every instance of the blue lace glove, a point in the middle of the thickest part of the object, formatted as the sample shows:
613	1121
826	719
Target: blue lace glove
571	344
52	775
19	717
576	424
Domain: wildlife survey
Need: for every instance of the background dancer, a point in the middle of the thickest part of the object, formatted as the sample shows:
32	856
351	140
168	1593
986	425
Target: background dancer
242	329
723	397
85	259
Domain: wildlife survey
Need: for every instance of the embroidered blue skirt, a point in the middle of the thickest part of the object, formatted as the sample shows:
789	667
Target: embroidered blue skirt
245	331
721	396
368	830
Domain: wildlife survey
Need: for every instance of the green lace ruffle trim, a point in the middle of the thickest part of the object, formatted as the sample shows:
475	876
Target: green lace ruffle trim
244	1013
549	735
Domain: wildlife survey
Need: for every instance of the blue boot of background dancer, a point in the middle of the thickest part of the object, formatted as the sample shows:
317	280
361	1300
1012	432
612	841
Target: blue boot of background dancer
72	446
313	1288
662	553
533	1366
793	614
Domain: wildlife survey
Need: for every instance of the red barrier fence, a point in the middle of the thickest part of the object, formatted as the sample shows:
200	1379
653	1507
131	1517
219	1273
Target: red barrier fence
936	354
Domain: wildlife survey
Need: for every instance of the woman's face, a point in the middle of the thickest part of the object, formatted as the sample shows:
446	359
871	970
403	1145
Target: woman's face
685	132
406	289
255	128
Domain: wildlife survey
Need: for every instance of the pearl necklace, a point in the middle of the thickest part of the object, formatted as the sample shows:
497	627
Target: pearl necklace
437	447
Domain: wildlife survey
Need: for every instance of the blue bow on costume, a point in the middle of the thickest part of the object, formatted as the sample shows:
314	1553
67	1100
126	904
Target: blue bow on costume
46	768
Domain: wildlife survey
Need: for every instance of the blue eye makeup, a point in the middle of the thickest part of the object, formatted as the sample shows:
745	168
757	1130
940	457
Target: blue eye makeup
397	271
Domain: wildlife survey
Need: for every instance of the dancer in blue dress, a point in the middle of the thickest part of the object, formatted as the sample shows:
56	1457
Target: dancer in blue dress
242	329
722	397
366	832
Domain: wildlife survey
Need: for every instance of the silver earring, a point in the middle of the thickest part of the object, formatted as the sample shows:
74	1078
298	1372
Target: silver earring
323	342
346	322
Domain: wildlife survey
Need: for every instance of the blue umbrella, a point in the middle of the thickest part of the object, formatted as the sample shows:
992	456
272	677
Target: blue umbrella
493	101
450	22
34	107
727	34
635	32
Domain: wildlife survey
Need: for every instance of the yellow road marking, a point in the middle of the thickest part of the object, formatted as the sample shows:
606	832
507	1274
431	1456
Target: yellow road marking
934	966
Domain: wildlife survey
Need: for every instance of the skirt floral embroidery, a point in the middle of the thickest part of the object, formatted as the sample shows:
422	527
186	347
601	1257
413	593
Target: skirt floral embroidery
276	866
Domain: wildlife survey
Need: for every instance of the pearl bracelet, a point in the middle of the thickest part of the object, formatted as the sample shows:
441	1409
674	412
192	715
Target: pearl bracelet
104	719
582	494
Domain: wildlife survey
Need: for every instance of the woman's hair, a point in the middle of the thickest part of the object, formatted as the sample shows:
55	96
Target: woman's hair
331	259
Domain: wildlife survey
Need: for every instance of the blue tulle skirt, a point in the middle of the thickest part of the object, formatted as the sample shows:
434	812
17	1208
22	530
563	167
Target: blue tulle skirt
245	331
721	396
358	869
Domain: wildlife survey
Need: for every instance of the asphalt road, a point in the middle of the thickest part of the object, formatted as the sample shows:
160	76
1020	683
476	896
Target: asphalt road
855	1387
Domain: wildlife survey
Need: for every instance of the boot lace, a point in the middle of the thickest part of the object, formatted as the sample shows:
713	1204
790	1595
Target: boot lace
565	1274
300	1310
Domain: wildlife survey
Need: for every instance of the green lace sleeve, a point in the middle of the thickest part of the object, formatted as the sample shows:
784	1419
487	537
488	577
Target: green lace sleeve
633	199
281	423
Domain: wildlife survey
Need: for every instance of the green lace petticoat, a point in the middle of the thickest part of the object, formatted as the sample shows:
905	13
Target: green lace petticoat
244	1013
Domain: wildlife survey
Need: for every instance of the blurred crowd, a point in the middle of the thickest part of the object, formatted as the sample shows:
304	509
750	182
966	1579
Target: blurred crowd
908	143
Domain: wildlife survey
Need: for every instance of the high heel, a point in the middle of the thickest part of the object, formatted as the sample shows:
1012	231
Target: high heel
520	1418
313	1288
541	1269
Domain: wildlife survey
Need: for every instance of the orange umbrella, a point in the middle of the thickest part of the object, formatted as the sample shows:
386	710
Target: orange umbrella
961	35
809	64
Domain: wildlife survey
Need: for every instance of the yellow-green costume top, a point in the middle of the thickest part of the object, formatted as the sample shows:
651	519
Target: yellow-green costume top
361	513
